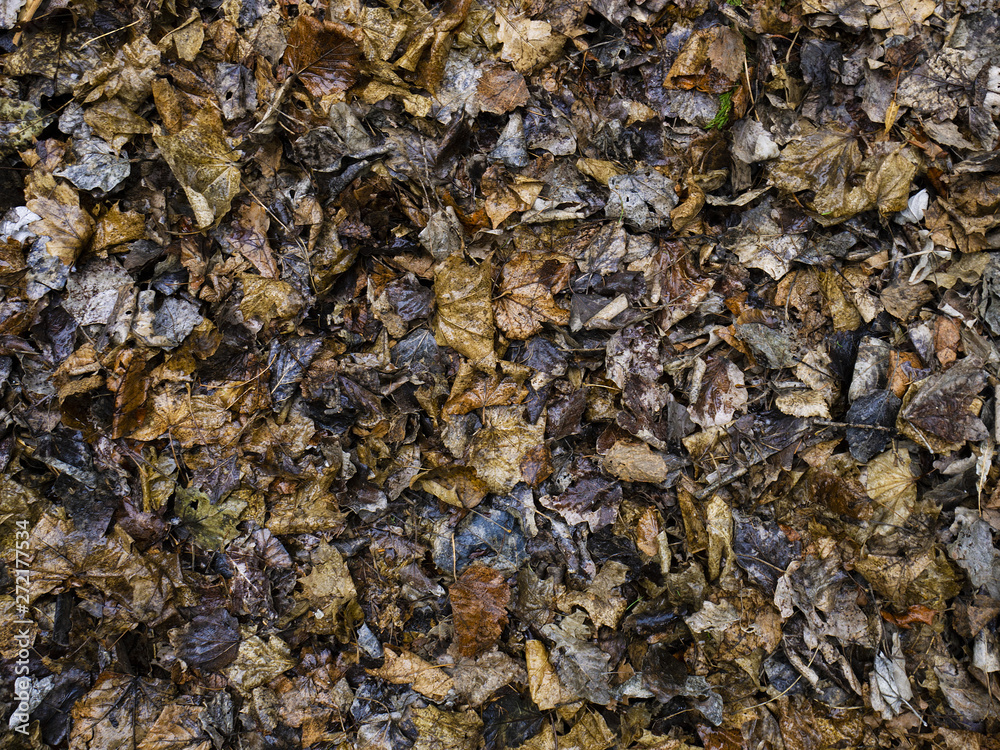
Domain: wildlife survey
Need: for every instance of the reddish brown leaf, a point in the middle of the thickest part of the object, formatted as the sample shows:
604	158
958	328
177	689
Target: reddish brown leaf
322	55
479	601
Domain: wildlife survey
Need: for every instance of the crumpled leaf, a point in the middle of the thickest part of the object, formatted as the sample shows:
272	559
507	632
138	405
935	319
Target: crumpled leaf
601	601
974	551
502	451
592	500
68	227
204	165
328	588
643	199
464	319
108	569
711	60
479	600
527	43
180	726
20	123
98	165
543	682
258	662
900	16
636	462
440	730
877	409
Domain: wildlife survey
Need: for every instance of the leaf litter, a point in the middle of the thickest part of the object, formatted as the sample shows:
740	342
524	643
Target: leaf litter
506	375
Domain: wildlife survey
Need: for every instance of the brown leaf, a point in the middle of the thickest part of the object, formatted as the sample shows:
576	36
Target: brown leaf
404	668
717	392
711	60
527	43
486	390
501	90
479	600
543	682
68	226
117	227
130	384
498	451
204	165
323	55
507	194
636	462
943	405
525	299
440	730
117	713
180	726
464	319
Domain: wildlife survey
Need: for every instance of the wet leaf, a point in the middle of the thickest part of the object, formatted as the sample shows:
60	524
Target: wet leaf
213	525
525	299
204	165
464	319
479	600
322	55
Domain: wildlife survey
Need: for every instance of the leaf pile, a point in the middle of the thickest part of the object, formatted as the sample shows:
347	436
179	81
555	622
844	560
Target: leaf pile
495	374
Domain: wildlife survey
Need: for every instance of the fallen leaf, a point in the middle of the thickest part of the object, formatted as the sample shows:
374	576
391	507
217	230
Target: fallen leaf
498	450
717	392
525	298
404	668
322	55
479	600
464	319
204	165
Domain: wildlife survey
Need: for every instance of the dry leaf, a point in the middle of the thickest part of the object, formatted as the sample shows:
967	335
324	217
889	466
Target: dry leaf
404	668
717	392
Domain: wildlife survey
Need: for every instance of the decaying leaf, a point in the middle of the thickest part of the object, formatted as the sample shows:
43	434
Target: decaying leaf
479	601
525	299
322	55
944	404
464	315
503	452
717	392
404	668
204	165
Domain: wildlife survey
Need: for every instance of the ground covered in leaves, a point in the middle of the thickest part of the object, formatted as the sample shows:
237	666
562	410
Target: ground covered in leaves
500	374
